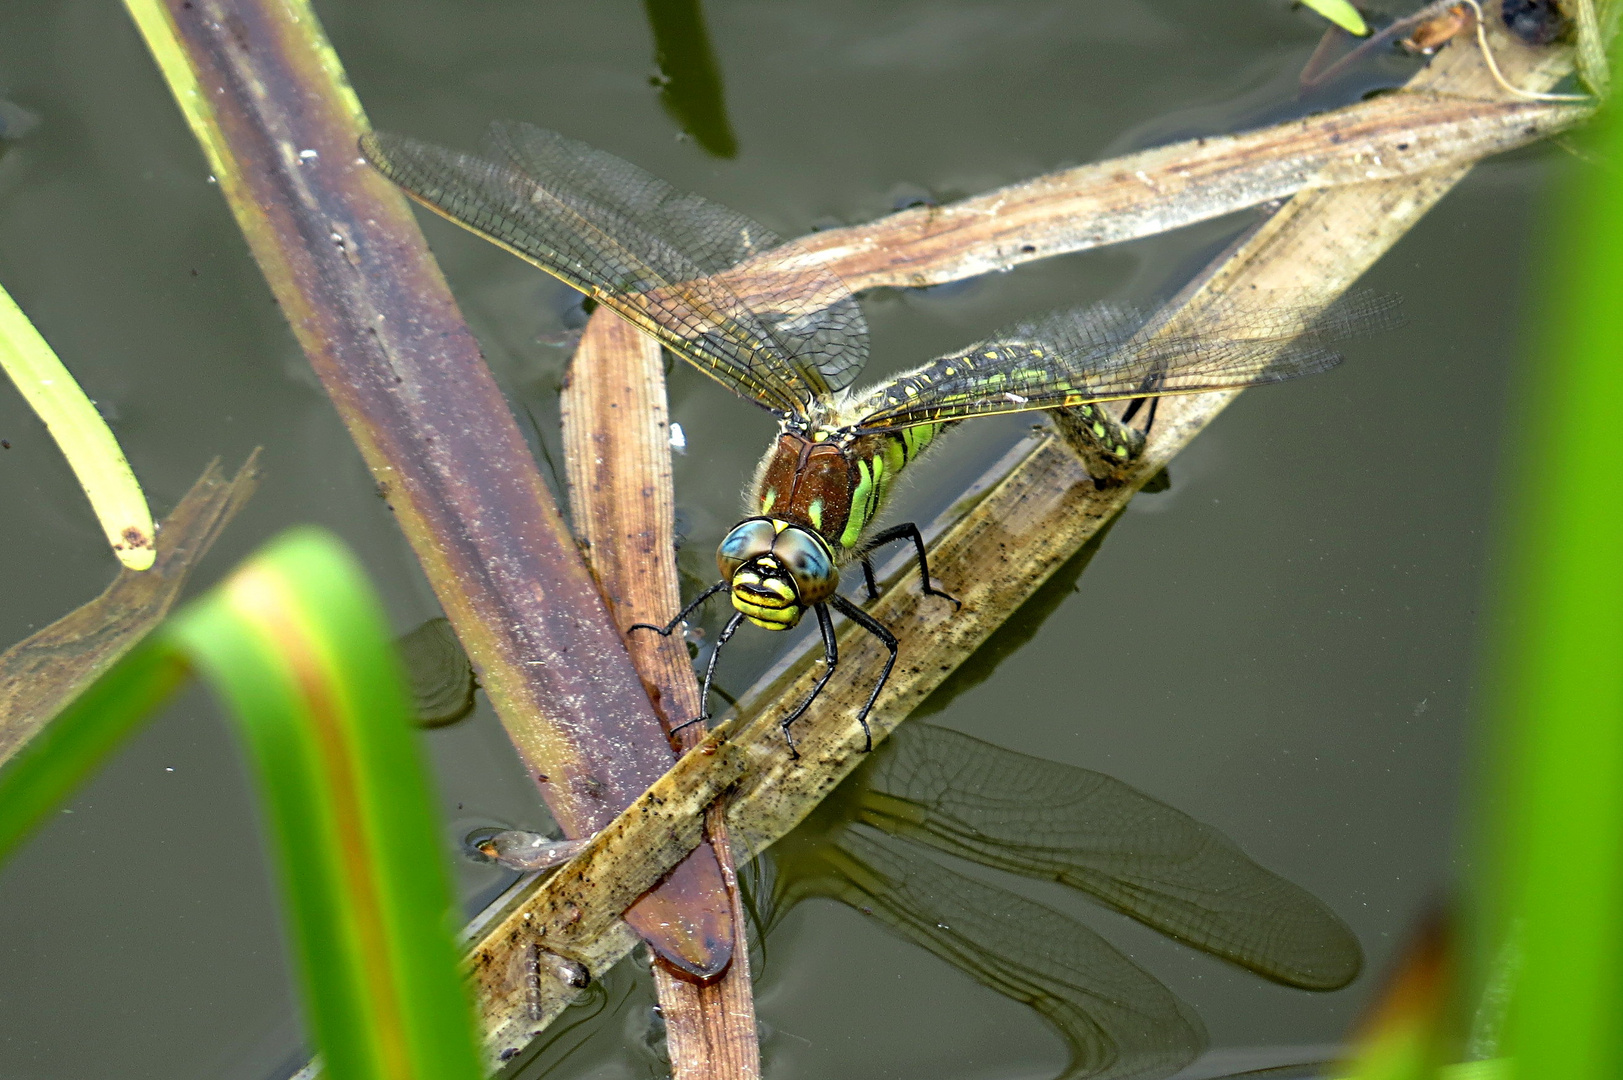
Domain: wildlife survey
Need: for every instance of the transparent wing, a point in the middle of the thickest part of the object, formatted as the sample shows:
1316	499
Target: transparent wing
1117	1020
648	252
1046	820
1107	352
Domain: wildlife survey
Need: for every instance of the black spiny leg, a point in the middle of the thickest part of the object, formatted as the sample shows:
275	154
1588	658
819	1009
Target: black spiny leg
888	639
867	576
1149	417
831	657
710	672
905	531
1152	385
665	631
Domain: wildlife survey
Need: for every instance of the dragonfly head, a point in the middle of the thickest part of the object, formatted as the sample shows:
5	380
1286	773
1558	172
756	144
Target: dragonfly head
776	570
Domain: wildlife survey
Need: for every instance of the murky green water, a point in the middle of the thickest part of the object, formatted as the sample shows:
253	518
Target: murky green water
1283	646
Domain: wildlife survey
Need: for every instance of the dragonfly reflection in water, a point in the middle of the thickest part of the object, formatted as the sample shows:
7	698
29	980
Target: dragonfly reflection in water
795	343
935	788
947	791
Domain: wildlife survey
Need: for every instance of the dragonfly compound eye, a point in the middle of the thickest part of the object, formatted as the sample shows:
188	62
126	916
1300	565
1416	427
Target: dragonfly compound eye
748	540
809	561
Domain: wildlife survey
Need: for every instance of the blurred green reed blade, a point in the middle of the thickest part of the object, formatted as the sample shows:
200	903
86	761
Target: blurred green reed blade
1402	1035
1340	12
297	643
1491	1069
64	752
1554	807
81	434
1560	692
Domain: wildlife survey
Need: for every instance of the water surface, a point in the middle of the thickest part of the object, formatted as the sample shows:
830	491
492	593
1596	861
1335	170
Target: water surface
1283	646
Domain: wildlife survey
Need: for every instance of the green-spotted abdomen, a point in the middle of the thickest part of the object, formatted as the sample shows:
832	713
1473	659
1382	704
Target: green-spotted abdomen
876	459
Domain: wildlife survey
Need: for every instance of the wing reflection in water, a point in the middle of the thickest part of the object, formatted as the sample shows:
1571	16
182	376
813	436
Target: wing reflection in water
1041	819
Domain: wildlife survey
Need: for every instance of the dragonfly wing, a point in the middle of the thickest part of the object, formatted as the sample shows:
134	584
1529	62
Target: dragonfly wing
815	321
1046	820
706	237
1109	352
632	242
1117	1020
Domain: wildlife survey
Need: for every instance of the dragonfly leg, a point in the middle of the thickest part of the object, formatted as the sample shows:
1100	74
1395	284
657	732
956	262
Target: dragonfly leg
1149	417
831	658
905	531
867	576
888	639
665	631
710	672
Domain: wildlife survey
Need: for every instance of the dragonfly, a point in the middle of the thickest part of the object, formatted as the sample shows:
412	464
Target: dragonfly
794	341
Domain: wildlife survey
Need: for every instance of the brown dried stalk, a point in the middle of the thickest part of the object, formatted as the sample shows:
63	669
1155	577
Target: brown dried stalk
618	453
266	98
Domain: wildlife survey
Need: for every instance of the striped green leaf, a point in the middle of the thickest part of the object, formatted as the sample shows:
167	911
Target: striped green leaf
296	644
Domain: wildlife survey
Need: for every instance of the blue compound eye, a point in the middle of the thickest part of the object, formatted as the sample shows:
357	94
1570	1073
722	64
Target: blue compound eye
746	541
808	561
